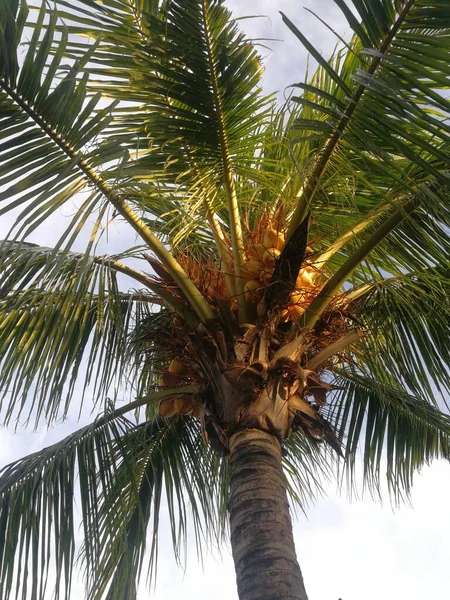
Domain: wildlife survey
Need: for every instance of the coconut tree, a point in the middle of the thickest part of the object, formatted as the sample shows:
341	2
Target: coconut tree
285	299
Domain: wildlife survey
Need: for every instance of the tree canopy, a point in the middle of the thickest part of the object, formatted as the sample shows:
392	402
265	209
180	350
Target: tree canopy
150	114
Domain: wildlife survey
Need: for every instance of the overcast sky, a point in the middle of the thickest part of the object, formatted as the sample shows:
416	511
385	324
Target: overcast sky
355	551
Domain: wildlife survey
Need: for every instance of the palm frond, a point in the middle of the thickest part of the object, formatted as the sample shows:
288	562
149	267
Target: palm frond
387	141
50	146
124	470
307	466
194	483
153	111
184	47
34	151
37	495
408	322
64	310
203	111
395	430
332	286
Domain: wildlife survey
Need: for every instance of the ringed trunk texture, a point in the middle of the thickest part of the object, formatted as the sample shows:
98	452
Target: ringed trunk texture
261	526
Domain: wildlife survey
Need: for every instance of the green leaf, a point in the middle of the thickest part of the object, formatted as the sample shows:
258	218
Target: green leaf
397	428
319	58
59	309
149	115
123	471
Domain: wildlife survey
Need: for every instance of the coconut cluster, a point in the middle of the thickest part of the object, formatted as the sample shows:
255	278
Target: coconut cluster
258	271
264	247
178	373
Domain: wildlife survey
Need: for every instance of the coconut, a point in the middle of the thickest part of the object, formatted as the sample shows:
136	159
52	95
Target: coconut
169	379
261	308
266	275
273	239
178	367
253	290
256	251
178	405
186	406
284	315
270	257
295	311
178	322
166	408
297	297
251	269
305	278
213	290
197	410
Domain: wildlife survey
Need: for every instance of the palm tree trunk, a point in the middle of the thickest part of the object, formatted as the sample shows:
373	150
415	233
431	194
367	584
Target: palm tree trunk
261	527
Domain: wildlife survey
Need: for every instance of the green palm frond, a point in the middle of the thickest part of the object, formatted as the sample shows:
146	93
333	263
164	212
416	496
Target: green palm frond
60	158
124	471
150	112
194	483
62	309
47	118
394	429
307	466
37	495
407	319
379	123
202	114
198	106
272	164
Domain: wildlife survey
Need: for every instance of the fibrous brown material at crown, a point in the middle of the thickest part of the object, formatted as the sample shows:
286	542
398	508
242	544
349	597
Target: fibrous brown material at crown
243	377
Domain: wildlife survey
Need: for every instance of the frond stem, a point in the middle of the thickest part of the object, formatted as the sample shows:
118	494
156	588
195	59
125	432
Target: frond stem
217	231
222	249
309	189
115	265
237	238
321	261
193	295
165	297
150	398
326	295
333	349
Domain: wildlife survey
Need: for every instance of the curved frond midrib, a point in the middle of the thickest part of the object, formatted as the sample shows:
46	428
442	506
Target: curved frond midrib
314	178
193	295
228	176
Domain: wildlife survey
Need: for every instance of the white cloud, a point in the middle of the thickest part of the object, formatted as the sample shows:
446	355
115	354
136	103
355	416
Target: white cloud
369	551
